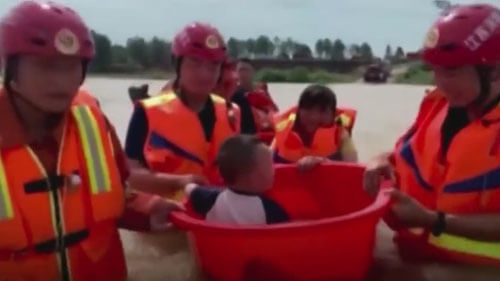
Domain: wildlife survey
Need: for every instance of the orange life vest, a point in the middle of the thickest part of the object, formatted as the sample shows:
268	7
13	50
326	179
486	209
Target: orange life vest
347	117
465	180
288	147
84	97
63	226
176	143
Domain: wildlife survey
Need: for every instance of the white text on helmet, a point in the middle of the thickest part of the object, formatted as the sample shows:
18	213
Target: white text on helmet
483	32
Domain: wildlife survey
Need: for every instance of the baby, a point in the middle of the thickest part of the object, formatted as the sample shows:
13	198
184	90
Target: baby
246	165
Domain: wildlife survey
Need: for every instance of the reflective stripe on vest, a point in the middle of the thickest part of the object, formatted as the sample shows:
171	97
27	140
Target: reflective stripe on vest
283	124
345	120
160	99
91	139
465	245
6	211
461	244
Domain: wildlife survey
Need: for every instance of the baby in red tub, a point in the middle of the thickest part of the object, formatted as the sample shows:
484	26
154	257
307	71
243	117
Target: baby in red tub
246	165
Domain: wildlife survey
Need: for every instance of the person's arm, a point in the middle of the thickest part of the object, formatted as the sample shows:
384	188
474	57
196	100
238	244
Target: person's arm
141	177
143	211
484	227
378	169
347	148
479	227
146	212
163	184
410	213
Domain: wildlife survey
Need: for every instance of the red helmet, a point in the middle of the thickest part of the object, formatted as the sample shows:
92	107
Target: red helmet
44	28
467	35
202	40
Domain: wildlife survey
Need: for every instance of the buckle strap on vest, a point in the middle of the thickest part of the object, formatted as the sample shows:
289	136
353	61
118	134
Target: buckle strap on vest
44	185
67	241
47	247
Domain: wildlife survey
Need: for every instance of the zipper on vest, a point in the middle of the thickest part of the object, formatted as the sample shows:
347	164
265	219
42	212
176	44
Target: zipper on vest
57	218
61	249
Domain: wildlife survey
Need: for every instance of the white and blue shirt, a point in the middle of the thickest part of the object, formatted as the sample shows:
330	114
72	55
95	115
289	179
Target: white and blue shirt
231	207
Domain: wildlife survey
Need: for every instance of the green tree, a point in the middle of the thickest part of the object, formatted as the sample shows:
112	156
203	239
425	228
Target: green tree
366	52
288	47
138	51
234	48
302	51
283	56
388	53
264	46
250	46
159	53
400	55
119	54
277	45
338	50
355	51
328	47
320	48
103	58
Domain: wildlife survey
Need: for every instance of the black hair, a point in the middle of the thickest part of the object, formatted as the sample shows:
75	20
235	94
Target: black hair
11	66
318	96
177	62
236	156
484	73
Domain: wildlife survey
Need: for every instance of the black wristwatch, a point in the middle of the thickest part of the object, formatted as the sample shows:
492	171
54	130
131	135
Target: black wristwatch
440	224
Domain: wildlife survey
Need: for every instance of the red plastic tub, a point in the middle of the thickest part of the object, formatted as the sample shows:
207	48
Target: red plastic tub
333	240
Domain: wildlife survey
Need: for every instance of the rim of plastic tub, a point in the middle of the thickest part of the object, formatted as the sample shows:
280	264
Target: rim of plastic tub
185	222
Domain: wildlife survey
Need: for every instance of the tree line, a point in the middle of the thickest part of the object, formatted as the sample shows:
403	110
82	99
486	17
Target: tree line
140	54
265	47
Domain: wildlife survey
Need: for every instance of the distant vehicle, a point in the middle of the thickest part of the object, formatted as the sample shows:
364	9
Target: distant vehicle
377	73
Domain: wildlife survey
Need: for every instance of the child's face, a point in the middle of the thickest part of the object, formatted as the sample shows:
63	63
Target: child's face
313	118
261	177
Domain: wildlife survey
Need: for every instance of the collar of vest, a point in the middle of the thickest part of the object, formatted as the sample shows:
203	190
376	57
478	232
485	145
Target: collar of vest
165	97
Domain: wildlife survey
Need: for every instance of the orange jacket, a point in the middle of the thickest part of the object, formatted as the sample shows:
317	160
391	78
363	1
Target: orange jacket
62	226
464	181
176	143
288	146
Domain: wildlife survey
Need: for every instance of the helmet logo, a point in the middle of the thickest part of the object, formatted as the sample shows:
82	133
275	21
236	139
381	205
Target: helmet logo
66	42
432	38
483	32
212	42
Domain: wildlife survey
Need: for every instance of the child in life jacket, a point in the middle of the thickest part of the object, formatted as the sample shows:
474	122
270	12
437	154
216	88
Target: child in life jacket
246	165
314	131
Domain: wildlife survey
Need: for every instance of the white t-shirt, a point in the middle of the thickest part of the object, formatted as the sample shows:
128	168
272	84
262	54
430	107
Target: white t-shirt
230	207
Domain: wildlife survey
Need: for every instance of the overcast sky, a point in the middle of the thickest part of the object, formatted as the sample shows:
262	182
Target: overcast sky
378	22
